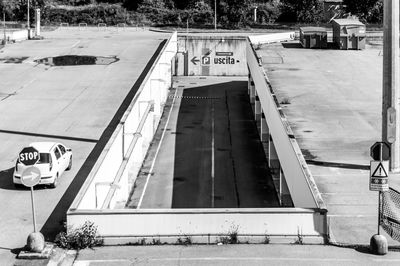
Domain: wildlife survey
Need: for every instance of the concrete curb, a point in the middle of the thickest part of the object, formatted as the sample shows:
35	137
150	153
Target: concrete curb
62	257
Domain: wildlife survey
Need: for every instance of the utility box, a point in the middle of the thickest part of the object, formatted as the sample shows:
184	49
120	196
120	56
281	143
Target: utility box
313	37
349	34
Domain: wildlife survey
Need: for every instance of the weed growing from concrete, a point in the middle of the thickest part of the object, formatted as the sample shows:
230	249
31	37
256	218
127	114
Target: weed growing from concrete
155	241
84	236
300	238
232	236
186	240
267	239
285	100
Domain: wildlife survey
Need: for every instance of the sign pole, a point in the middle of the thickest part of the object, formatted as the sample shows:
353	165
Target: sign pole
379	211
33	211
391	81
380	152
379	192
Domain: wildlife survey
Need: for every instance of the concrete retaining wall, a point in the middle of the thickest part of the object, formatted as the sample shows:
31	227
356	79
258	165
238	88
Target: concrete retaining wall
299	180
111	179
17	35
281	225
271	38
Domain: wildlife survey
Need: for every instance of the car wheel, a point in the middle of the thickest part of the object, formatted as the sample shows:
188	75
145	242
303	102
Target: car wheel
55	183
70	164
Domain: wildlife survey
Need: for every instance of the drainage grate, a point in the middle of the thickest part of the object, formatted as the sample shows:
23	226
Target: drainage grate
195	97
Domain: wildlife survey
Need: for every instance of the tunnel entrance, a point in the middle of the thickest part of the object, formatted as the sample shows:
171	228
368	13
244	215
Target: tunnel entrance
217	160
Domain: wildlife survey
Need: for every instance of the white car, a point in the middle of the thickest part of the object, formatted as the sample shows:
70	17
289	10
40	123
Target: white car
54	159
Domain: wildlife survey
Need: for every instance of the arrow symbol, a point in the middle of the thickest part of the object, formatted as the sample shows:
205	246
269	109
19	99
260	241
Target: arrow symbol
32	176
195	60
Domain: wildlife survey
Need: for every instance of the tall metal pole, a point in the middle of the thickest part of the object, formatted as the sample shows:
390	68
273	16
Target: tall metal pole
4	27
215	14
390	99
28	21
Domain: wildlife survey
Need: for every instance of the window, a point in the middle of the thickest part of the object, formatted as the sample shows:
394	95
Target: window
57	153
44	158
62	149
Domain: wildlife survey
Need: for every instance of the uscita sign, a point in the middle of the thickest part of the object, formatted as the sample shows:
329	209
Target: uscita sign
224	60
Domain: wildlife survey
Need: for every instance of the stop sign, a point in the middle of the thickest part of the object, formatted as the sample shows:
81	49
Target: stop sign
380	151
29	156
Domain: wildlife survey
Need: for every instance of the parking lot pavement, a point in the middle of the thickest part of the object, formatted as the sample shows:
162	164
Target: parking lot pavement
333	99
74	105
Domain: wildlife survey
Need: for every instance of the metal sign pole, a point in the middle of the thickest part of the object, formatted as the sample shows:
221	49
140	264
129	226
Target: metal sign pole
379	192
33	211
379	211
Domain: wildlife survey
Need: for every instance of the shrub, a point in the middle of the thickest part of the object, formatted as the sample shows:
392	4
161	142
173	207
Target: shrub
308	11
90	14
267	12
85	236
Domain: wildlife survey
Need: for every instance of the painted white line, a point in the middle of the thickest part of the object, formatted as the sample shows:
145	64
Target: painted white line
303	259
212	155
157	151
352	216
269	259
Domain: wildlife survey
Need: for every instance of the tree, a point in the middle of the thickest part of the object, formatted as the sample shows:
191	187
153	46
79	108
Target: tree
16	9
131	4
367	10
267	12
308	11
233	12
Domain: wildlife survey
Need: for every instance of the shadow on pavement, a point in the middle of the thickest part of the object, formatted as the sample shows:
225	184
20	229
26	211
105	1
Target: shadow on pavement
6	179
241	176
339	165
55	222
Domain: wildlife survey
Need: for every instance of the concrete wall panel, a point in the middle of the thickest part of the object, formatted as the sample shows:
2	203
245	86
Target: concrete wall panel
301	184
212	56
206	223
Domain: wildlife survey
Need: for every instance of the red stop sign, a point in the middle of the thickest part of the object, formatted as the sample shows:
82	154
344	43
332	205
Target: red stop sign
29	156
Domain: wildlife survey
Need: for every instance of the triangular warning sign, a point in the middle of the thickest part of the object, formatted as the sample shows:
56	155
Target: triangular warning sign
380	171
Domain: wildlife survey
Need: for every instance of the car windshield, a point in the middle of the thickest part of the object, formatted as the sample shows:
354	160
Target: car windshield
44	158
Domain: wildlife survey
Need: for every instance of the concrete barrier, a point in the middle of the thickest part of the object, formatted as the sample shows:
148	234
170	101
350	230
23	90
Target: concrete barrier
115	171
17	35
272	37
293	167
277	225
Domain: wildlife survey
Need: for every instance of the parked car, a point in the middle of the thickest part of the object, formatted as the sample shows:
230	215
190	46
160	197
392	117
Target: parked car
54	159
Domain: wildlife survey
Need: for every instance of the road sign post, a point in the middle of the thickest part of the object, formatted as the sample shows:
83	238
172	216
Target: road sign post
30	177
379	174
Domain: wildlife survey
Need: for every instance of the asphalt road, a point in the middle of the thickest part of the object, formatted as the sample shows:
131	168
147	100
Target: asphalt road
75	105
210	154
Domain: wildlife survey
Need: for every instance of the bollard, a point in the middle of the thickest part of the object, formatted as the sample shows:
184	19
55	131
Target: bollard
378	245
35	242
